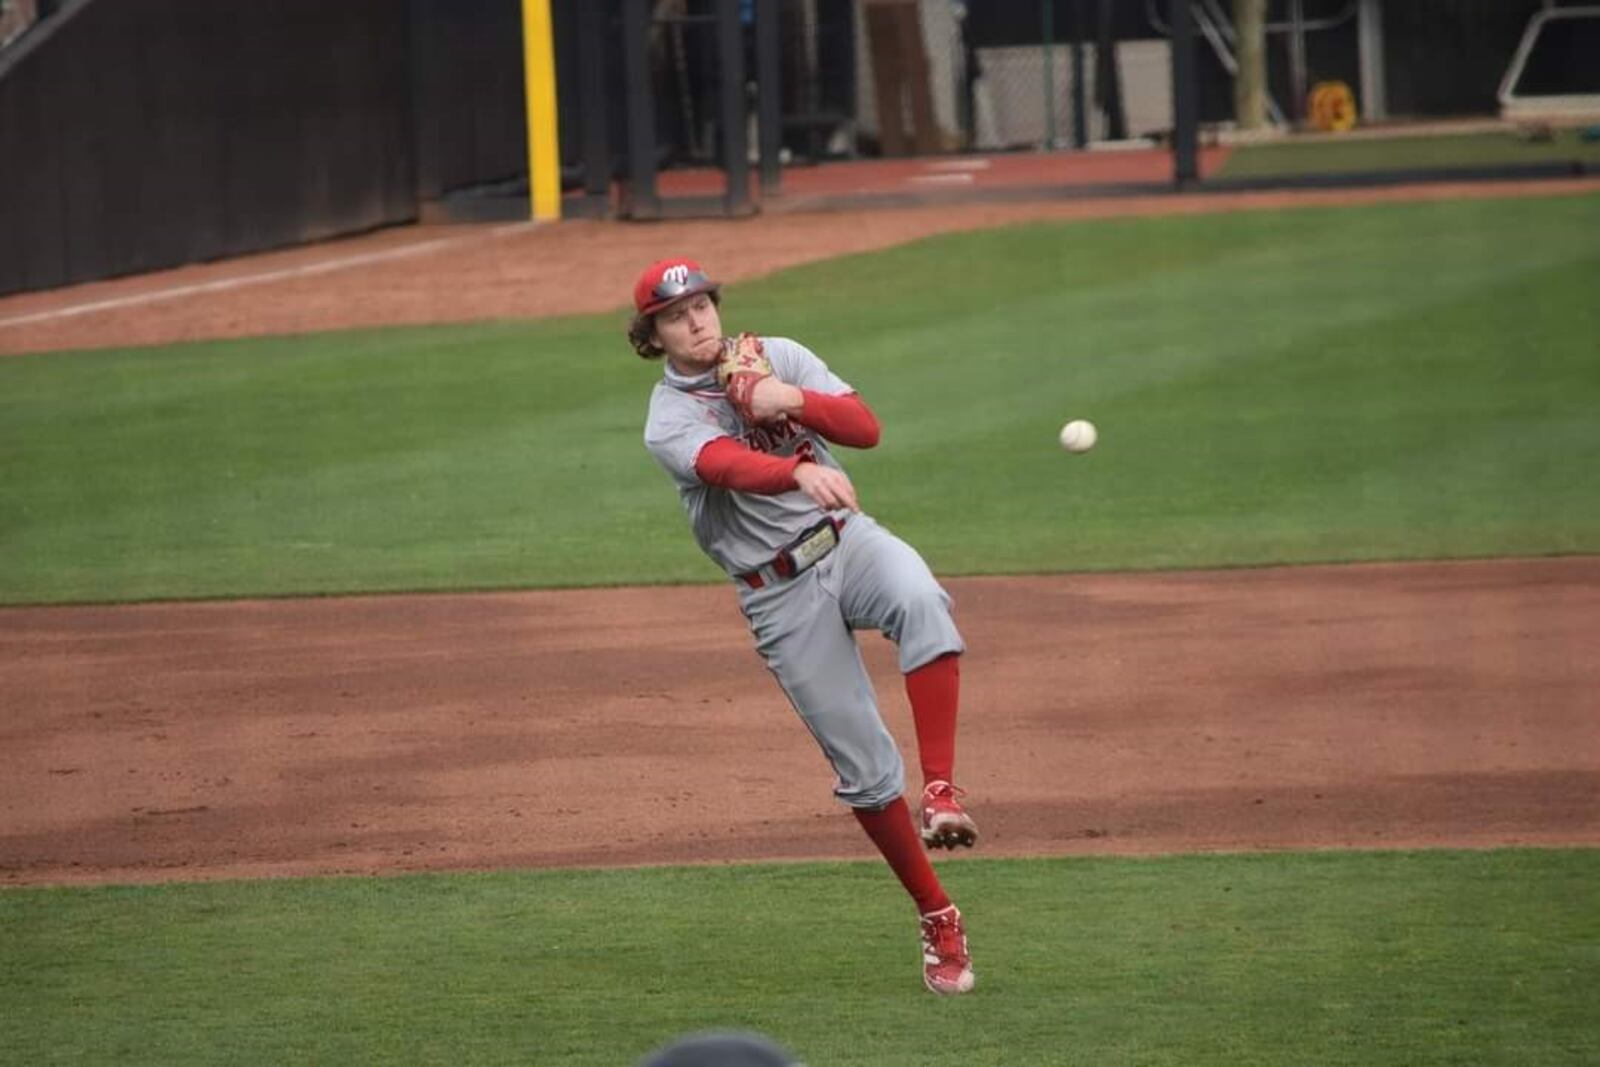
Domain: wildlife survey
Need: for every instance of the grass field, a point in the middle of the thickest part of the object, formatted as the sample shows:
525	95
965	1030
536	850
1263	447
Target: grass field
1392	382
1365	959
1327	384
1335	155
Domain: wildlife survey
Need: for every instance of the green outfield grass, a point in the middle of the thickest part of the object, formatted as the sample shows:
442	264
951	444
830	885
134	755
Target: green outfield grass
1397	381
1369	959
1356	152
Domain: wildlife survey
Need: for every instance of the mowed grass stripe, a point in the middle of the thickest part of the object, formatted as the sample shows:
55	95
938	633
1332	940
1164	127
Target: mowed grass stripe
1501	148
1270	387
1334	958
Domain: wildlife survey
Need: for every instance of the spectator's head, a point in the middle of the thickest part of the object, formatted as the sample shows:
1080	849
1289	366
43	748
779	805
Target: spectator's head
722	1049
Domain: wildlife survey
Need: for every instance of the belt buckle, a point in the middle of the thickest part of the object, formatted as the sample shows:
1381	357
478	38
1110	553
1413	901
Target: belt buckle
809	548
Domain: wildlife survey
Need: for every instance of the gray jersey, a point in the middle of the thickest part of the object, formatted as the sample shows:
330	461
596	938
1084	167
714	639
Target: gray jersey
740	531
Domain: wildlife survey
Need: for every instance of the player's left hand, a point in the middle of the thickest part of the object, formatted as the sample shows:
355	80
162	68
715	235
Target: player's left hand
743	367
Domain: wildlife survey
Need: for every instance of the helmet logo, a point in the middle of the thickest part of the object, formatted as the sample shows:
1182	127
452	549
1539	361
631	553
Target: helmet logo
676	277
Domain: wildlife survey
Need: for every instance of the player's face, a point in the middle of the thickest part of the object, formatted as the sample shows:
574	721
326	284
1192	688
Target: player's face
690	332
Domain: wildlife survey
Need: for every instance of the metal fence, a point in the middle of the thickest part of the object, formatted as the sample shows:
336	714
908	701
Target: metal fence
919	77
985	75
903	77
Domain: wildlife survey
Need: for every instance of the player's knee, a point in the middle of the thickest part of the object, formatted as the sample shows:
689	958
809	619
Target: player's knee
920	610
876	799
882	790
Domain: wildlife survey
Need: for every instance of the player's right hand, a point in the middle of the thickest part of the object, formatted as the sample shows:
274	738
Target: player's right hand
829	489
772	400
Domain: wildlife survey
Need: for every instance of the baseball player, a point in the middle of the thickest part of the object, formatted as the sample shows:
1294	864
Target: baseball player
745	427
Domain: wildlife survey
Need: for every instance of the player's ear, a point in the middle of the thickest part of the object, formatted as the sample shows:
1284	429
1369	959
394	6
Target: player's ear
642	336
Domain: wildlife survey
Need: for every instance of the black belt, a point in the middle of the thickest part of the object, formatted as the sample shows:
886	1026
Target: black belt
798	555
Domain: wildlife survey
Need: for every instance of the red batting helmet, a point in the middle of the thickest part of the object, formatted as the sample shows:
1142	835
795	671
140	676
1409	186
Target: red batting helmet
667	280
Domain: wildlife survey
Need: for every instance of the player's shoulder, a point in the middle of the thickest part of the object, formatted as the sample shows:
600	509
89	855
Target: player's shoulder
673	411
666	403
793	362
786	351
783	344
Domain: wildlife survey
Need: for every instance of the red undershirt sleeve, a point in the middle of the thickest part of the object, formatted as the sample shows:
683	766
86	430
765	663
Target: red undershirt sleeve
726	463
844	420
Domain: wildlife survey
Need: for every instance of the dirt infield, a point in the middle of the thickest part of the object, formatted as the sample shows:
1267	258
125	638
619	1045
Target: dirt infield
1365	706
1314	707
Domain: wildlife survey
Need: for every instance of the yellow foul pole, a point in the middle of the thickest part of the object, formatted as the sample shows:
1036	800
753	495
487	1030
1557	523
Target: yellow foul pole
539	73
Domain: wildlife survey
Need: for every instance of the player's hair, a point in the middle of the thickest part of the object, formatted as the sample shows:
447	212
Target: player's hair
643	326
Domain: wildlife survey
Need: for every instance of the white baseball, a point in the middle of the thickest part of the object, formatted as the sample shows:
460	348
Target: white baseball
1079	435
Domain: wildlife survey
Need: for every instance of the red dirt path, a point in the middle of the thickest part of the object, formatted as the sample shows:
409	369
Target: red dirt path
1367	706
468	273
1314	707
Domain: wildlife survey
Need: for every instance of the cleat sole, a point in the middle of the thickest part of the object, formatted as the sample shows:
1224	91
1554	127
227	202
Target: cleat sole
950	839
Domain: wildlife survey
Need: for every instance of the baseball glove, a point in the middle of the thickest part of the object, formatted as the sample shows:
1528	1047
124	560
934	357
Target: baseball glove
744	363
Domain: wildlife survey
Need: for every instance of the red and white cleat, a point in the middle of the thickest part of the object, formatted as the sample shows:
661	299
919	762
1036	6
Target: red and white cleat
945	823
946	965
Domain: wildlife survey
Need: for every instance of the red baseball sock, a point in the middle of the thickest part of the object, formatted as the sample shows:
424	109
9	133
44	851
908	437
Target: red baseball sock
935	690
891	830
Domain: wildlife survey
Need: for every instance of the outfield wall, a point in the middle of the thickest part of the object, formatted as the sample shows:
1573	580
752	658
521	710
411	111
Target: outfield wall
141	134
471	124
146	133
